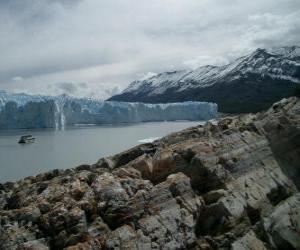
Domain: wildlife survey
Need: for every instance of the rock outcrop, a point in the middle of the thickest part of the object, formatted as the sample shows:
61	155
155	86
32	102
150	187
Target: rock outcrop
233	184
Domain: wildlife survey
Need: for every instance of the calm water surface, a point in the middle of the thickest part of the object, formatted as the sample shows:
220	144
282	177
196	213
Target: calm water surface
73	146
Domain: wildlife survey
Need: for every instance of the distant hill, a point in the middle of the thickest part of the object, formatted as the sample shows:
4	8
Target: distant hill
248	84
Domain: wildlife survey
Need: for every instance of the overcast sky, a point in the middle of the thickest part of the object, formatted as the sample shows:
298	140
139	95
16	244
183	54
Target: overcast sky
97	47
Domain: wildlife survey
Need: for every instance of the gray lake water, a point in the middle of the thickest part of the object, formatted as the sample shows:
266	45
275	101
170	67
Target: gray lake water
73	146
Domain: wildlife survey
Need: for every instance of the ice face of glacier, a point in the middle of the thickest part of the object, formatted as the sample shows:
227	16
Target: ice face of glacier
26	111
31	115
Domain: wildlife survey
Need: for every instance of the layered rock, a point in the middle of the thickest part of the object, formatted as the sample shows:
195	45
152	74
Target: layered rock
232	184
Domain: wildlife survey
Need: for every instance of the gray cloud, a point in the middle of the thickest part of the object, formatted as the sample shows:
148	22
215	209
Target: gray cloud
70	88
74	89
110	43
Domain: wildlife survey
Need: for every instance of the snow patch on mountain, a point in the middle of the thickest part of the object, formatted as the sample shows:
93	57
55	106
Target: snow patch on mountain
277	63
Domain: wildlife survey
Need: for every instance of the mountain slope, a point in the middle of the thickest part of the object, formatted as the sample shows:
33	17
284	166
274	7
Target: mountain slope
248	84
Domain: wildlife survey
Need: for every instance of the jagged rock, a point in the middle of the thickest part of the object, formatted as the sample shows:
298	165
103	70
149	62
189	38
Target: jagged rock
214	195
248	242
227	184
34	245
283	225
3	200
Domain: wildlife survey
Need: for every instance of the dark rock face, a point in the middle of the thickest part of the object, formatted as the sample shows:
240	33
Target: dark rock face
232	184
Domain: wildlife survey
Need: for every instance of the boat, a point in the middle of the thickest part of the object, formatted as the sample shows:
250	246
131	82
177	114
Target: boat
26	139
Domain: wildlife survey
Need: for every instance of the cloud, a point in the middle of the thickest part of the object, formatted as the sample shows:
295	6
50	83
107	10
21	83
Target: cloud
69	87
205	60
269	29
147	76
17	78
111	43
80	90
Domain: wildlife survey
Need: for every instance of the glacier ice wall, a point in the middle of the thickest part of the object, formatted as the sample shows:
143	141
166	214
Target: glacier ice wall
25	111
31	115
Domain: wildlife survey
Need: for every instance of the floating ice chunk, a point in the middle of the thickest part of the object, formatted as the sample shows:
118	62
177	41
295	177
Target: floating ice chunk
149	140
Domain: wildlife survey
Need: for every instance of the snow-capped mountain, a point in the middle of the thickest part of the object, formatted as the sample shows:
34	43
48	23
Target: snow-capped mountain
249	83
35	111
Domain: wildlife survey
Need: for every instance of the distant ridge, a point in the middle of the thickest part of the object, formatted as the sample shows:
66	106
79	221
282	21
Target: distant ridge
248	84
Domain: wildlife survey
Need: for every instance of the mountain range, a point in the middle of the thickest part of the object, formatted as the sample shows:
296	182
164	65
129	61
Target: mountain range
248	84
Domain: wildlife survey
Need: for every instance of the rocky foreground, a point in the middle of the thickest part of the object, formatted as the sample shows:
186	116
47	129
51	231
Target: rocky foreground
230	185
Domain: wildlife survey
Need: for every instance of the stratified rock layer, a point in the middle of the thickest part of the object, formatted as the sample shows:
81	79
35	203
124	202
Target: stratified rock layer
226	185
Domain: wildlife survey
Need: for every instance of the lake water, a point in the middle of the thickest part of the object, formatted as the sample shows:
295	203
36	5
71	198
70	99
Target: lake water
73	146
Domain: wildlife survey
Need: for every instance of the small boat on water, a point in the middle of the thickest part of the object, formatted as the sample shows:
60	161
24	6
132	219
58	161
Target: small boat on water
26	139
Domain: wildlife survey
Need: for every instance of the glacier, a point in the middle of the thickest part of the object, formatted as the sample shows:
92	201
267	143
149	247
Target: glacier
22	111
